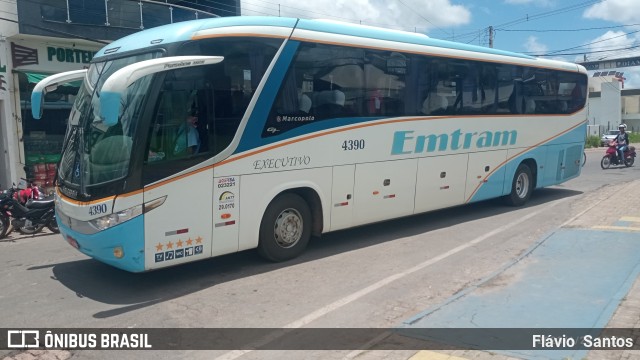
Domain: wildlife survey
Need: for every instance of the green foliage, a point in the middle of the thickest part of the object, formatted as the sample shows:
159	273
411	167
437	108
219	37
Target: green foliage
592	141
634	138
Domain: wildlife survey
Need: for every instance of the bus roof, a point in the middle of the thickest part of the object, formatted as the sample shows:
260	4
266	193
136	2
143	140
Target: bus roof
344	28
183	31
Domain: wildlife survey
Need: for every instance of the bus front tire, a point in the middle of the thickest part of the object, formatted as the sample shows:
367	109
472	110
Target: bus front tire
521	187
285	229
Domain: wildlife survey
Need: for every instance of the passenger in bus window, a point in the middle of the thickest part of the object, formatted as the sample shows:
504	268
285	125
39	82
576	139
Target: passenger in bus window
188	139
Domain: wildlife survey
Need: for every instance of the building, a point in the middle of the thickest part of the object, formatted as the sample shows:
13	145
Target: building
42	37
610	104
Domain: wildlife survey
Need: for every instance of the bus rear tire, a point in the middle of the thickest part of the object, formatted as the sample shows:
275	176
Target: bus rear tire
285	229
521	187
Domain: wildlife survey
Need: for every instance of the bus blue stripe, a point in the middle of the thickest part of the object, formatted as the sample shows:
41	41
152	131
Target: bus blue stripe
251	138
540	154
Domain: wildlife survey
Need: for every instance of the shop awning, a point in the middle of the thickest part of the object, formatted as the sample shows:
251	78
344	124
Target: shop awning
29	79
35	77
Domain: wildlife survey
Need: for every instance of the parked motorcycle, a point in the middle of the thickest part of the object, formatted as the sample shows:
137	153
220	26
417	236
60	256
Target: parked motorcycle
29	218
5	218
611	156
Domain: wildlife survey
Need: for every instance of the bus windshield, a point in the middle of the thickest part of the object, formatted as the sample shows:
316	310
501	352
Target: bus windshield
95	153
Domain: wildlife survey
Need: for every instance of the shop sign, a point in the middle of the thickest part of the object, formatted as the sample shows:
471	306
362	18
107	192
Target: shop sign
40	57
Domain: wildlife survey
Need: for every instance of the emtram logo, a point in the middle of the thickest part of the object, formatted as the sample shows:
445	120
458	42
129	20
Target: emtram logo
406	142
20	339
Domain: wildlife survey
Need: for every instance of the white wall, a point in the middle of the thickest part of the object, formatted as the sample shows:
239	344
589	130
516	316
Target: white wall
12	156
611	104
9	152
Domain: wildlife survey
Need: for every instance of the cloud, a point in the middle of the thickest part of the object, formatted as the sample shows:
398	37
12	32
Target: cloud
392	14
541	3
620	11
616	41
533	46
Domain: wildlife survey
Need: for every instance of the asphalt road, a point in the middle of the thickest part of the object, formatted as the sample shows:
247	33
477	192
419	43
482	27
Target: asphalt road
375	276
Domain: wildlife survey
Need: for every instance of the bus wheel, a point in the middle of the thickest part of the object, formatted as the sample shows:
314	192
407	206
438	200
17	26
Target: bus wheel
285	228
521	187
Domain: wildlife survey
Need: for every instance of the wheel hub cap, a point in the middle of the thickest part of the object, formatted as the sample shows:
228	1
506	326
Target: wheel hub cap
522	185
288	228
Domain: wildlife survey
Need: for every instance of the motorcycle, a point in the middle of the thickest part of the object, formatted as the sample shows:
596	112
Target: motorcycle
29	218
5	218
611	156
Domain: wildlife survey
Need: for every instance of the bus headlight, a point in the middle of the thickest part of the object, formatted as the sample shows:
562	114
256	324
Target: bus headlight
107	221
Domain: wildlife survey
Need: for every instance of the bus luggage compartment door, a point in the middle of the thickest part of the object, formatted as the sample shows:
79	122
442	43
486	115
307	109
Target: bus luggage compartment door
485	177
342	197
384	190
441	181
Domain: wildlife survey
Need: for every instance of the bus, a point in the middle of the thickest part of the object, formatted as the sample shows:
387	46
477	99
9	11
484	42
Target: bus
208	137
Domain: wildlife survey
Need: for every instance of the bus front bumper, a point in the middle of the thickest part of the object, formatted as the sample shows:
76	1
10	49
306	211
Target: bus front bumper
121	246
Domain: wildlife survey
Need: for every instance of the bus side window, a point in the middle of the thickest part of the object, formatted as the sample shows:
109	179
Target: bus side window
328	103
179	136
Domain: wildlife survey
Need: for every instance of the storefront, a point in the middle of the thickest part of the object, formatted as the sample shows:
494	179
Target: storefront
43	139
39	142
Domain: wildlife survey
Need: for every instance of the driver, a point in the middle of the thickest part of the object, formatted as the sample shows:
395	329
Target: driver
622	141
188	139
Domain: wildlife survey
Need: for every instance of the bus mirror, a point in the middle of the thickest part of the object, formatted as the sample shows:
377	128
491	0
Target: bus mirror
49	84
116	85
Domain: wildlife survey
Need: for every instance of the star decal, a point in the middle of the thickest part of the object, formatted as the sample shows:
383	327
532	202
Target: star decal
179	243
169	245
189	242
198	240
159	247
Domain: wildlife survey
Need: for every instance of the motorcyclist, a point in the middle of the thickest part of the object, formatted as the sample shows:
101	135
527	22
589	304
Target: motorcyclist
622	141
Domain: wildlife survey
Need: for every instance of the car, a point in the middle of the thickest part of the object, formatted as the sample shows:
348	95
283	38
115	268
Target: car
608	136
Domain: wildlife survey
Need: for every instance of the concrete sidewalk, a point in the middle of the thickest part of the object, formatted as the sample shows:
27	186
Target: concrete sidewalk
606	232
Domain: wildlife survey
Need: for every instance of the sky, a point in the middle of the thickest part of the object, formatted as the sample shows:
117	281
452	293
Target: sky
568	30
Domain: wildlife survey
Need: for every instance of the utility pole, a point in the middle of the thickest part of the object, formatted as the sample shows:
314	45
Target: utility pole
491	37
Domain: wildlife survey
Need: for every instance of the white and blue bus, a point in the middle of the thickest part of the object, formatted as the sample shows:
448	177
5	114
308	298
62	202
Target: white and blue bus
208	137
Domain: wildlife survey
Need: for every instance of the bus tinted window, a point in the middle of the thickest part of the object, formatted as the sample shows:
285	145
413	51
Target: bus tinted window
324	82
327	82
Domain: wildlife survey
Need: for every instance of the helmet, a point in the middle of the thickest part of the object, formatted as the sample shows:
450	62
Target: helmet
622	126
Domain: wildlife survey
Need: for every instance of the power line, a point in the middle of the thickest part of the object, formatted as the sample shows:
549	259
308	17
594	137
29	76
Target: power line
422	17
548	13
570	30
595	42
503	26
587	52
